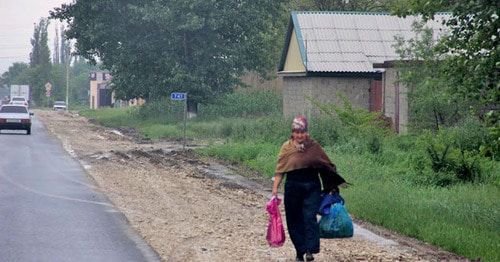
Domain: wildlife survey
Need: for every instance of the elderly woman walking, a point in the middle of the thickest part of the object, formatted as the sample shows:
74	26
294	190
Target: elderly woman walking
307	168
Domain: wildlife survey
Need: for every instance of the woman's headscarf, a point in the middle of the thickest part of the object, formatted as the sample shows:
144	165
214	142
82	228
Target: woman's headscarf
299	123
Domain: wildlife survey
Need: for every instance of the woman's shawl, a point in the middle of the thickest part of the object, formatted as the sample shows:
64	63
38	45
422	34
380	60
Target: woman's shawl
311	155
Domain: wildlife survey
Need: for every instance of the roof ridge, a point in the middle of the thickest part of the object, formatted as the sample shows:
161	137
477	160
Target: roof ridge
358	12
342	12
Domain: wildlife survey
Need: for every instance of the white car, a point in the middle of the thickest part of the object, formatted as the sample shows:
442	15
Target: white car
18	100
59	105
15	117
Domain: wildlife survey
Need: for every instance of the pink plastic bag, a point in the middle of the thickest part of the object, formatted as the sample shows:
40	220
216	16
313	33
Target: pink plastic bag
275	230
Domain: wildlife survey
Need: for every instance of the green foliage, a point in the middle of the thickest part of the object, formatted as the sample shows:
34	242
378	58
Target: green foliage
199	47
160	111
79	81
357	118
452	155
242	104
432	102
16	75
324	130
374	145
263	129
492	147
111	117
261	157
357	125
40	53
462	219
341	5
471	70
40	66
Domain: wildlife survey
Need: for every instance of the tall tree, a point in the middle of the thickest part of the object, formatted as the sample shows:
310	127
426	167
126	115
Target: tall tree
40	54
56	57
40	66
155	47
65	47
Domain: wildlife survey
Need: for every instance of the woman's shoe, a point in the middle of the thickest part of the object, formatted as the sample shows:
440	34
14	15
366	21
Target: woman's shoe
299	257
309	257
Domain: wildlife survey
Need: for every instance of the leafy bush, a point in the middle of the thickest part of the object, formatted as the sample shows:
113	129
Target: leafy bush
160	111
454	151
355	126
374	145
239	104
491	148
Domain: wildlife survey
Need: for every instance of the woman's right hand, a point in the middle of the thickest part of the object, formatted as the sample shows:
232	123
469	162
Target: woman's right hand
277	182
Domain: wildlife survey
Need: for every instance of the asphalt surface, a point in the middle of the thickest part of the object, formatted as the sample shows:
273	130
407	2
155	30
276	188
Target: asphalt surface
50	211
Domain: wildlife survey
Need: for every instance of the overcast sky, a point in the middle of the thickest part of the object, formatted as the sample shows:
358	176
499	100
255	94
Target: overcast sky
17	19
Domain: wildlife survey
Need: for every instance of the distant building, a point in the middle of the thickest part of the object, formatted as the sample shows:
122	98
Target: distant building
348	52
102	95
100	90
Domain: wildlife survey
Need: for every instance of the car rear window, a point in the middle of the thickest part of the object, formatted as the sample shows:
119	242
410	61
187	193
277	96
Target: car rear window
17	99
60	103
13	109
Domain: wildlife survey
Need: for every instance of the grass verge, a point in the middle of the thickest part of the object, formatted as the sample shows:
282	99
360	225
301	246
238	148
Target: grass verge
463	218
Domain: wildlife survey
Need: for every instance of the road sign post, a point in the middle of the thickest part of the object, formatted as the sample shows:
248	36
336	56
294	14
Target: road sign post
180	97
48	90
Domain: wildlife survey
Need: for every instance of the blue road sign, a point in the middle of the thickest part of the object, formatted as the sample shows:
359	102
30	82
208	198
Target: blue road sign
178	96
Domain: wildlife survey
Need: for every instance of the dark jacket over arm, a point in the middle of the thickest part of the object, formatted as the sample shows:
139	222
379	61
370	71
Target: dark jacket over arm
330	178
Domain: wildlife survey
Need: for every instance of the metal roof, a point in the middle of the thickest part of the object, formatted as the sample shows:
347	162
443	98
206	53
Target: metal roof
351	41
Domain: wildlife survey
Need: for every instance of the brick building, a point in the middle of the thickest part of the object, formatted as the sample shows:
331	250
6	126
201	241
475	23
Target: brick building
327	53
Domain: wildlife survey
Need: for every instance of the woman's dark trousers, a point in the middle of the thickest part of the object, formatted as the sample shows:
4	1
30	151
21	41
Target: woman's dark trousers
302	200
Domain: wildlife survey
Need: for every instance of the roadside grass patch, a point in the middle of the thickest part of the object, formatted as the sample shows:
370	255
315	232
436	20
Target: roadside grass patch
254	155
111	117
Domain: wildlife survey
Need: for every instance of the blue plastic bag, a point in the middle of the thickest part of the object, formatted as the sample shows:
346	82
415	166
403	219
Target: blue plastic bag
327	201
337	224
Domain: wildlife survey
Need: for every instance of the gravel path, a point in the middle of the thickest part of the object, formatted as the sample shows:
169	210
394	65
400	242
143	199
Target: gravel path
188	210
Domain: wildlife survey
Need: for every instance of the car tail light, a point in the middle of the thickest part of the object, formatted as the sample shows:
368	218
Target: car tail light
25	121
3	120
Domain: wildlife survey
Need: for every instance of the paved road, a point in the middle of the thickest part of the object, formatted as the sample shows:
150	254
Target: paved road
49	211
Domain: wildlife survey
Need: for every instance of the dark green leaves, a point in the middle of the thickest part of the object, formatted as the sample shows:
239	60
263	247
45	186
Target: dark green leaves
156	47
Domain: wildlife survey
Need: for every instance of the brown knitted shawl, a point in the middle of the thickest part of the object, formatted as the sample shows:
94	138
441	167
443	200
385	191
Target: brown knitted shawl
312	155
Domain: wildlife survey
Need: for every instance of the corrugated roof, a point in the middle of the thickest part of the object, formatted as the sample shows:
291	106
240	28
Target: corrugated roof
352	41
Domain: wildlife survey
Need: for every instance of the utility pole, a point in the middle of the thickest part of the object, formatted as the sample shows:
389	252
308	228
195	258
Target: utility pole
67	81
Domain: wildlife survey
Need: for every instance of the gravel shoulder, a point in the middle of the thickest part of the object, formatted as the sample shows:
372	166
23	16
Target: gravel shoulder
189	209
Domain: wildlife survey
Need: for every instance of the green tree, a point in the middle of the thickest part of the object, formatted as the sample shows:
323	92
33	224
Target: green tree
433	104
473	48
341	5
79	81
40	54
40	66
15	75
153	48
469	60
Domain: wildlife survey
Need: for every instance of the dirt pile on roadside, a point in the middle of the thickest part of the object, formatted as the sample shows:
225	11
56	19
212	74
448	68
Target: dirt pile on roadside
184	211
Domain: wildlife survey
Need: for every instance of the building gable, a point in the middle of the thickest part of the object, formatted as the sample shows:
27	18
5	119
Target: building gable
347	42
293	60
